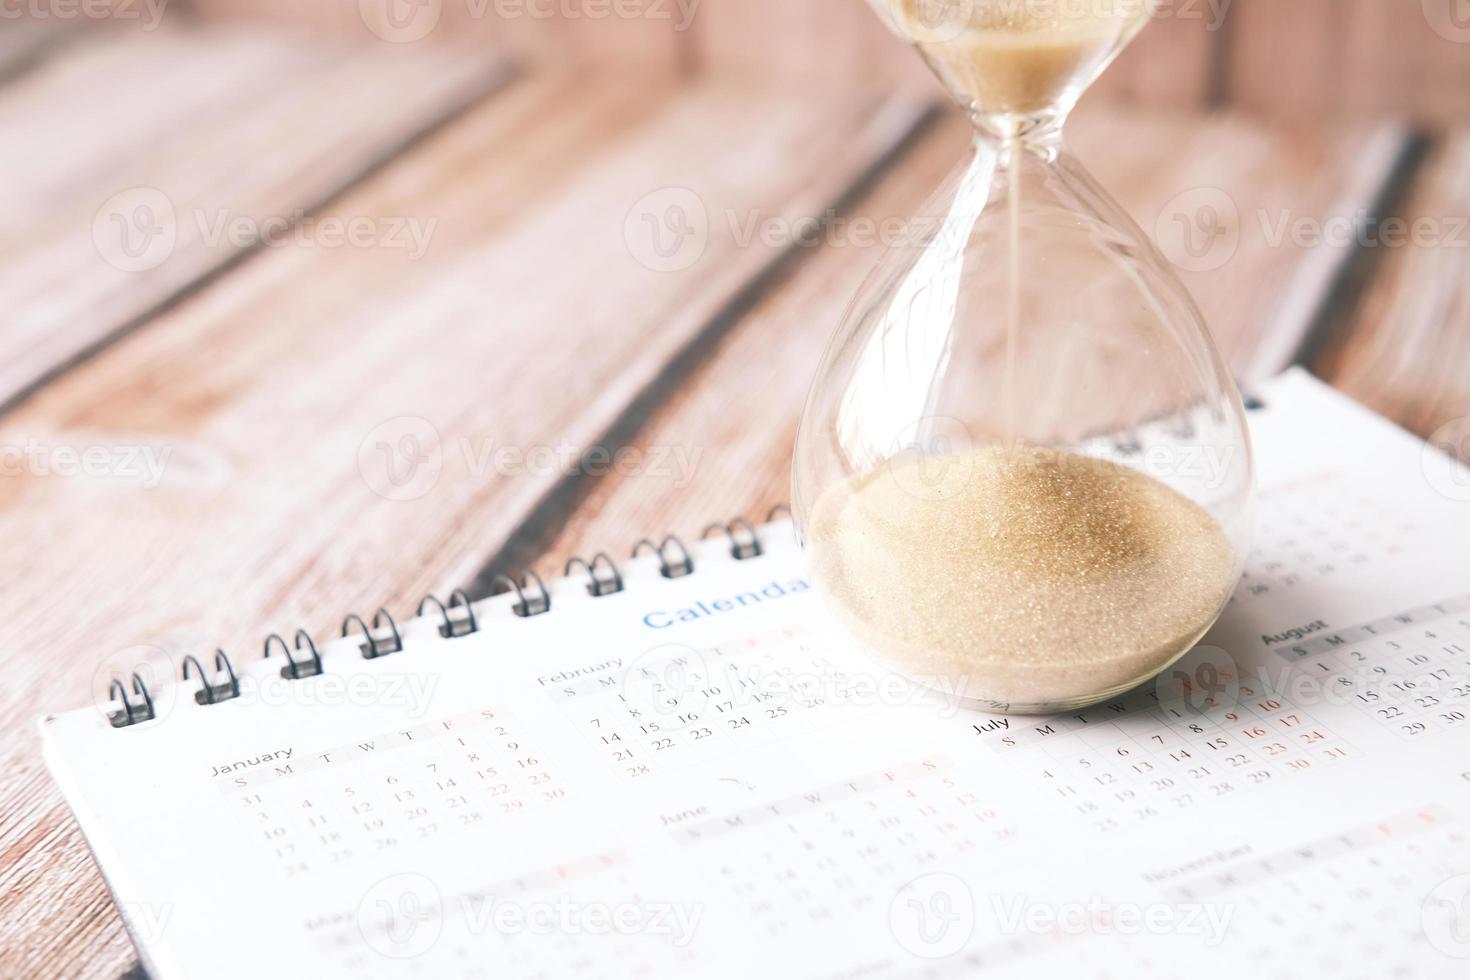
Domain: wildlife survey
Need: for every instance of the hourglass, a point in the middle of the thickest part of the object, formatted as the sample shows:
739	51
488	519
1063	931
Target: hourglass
1023	476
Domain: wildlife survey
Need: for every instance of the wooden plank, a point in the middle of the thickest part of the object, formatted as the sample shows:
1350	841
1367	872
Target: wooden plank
645	37
1286	58
540	312
737	414
1173	62
1402	347
25	43
1309	58
181	167
1294	60
816	42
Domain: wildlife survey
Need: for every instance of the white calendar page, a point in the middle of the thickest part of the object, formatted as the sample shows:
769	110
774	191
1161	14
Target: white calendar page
693	778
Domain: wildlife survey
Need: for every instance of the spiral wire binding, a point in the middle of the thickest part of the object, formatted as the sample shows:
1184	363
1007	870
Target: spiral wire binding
453	628
598	584
535	604
296	669
375	646
677	567
132	713
742	547
604	578
213	693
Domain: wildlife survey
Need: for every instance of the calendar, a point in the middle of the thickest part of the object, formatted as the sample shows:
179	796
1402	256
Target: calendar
1138	758
368	797
1408	671
673	766
679	706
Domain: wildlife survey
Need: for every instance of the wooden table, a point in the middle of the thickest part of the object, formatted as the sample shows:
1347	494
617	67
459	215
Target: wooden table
275	366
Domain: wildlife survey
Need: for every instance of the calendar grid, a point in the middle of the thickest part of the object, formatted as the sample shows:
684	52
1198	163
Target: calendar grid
681	707
813	858
1410	671
381	793
1135	759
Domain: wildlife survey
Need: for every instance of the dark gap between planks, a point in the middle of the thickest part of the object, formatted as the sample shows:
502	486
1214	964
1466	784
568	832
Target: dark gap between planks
496	81
533	535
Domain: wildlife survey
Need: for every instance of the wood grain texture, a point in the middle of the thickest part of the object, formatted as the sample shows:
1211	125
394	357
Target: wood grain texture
1223	195
1174	62
1403	348
533	320
1309	58
1291	59
184	169
737	414
648	39
25	43
815	42
812	42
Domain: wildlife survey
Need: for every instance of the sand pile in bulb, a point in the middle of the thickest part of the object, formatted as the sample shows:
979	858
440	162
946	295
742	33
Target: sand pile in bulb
1025	576
1018	56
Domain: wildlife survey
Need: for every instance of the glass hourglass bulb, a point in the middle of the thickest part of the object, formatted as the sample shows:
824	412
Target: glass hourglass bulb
1023	476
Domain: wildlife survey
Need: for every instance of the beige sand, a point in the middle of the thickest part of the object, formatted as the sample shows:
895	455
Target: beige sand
1018	56
1024	576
